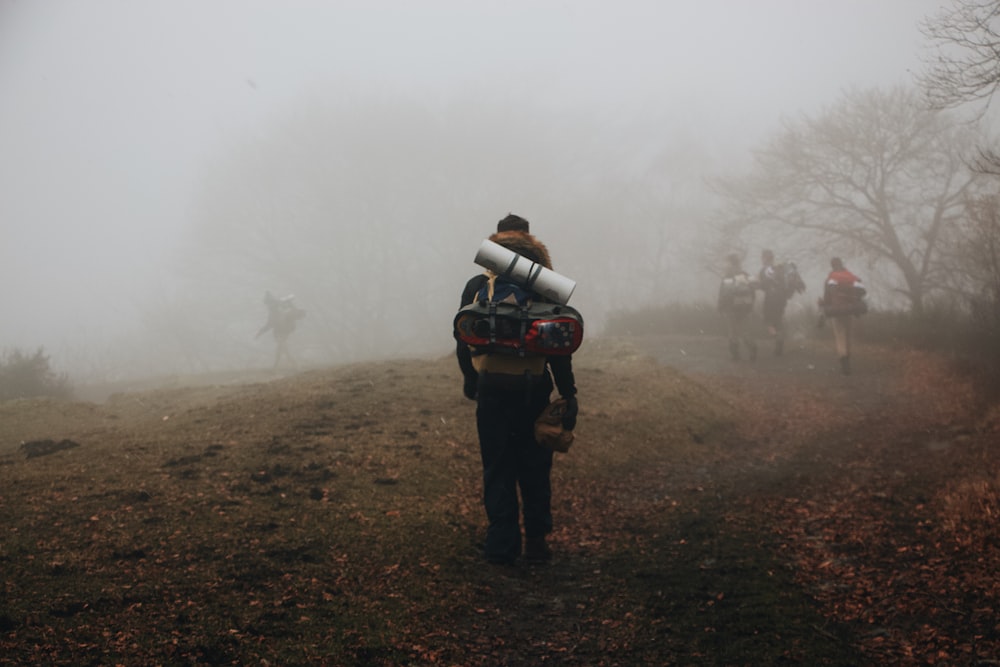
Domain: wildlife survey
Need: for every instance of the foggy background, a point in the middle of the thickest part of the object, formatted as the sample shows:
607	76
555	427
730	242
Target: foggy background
164	164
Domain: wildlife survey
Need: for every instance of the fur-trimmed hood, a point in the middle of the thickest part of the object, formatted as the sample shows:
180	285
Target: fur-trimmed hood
524	244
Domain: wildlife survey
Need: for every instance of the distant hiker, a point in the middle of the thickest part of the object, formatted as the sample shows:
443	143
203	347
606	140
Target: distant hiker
779	283
282	316
843	299
511	392
736	299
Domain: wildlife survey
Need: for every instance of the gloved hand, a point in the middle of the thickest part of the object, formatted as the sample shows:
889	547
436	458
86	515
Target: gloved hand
569	417
471	387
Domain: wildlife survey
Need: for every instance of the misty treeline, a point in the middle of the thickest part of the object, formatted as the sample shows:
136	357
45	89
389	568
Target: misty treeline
370	211
880	179
904	180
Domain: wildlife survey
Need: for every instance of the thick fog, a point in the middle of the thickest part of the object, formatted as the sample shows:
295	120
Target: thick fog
164	164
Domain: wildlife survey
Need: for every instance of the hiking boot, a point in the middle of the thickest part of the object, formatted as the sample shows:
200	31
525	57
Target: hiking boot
502	561
536	550
498	558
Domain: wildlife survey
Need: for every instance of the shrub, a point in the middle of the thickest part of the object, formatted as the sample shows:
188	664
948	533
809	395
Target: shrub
25	375
942	326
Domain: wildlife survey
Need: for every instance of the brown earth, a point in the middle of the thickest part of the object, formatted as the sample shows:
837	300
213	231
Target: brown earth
710	513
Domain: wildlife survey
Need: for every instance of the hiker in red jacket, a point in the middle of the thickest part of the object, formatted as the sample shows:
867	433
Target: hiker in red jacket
842	301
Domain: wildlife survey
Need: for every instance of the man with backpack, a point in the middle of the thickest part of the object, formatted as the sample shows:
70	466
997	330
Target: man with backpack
511	392
282	316
779	283
843	299
736	299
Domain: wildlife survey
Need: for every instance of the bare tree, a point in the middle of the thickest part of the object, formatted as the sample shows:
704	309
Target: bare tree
963	67
975	252
877	175
962	63
963	60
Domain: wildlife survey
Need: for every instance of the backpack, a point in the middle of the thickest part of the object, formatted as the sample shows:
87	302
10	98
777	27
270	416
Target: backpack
511	330
737	293
844	294
789	279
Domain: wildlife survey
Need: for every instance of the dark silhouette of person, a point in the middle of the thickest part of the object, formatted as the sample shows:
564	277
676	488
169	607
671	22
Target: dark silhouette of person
508	401
736	299
775	300
282	317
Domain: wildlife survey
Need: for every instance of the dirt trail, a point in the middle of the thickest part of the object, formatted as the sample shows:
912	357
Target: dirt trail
785	543
877	489
711	513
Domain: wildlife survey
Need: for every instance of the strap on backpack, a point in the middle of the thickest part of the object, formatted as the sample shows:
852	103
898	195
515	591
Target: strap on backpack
525	321
490	289
491	284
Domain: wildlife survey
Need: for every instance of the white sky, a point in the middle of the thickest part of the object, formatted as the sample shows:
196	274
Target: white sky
109	109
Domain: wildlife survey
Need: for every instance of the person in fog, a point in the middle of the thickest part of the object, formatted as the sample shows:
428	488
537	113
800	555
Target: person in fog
842	301
736	299
509	400
282	317
775	300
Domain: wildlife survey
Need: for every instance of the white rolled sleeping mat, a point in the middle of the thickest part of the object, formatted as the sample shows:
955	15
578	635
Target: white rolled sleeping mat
524	272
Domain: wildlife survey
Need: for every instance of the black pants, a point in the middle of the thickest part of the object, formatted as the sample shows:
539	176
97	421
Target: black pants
513	460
